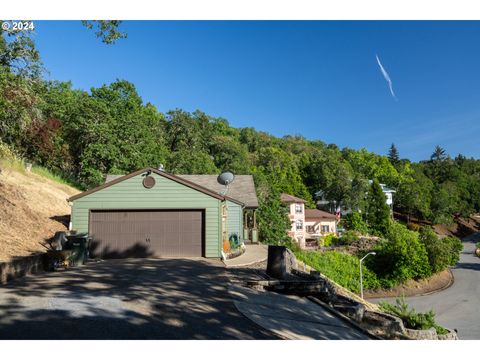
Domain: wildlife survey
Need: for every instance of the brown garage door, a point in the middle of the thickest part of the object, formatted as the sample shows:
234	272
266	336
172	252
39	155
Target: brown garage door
146	233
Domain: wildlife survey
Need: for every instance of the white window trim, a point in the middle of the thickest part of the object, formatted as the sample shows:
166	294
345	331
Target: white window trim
297	222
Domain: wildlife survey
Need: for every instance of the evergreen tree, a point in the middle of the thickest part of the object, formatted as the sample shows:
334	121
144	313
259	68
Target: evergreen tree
378	214
439	154
393	155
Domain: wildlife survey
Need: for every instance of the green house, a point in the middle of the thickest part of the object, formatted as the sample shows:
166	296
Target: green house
151	213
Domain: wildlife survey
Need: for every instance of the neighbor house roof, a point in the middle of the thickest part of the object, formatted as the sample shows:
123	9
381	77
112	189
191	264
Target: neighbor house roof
115	179
318	214
242	188
287	198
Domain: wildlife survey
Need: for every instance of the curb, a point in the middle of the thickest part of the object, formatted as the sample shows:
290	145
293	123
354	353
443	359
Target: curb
245	264
343	317
450	283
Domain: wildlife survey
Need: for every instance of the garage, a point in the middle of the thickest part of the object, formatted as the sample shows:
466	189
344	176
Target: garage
146	233
151	213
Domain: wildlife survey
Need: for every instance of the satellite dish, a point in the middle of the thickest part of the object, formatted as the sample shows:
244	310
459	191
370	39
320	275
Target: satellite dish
225	178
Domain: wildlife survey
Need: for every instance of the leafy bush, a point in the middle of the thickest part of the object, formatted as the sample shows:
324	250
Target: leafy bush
342	268
402	256
348	238
6	152
330	240
411	319
441	252
354	221
413	227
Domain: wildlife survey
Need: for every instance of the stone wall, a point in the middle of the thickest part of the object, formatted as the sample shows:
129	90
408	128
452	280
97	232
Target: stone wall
20	267
367	315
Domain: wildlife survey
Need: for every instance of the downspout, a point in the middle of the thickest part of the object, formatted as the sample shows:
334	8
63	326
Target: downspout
70	225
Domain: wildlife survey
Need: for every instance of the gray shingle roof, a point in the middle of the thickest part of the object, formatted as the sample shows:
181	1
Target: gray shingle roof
112	177
241	189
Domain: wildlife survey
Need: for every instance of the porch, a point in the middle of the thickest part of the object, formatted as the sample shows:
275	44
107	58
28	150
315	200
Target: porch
250	230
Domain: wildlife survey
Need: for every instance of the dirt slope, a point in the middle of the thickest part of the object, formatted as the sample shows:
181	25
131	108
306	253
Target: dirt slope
461	227
32	209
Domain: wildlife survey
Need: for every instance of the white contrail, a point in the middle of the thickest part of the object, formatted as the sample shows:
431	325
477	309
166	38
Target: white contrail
387	77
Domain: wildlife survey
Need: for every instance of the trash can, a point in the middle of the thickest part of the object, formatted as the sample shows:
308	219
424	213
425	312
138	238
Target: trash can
78	244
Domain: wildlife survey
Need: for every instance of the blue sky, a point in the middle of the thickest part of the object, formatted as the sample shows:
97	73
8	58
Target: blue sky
319	79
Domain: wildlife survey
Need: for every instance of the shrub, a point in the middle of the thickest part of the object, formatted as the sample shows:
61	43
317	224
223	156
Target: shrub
342	268
348	237
441	252
402	256
409	316
6	152
456	247
330	240
414	227
354	221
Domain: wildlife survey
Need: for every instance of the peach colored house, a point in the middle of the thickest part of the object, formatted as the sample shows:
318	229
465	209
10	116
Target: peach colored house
318	223
296	214
307	224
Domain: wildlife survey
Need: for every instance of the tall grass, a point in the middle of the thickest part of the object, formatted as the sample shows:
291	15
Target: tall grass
342	268
9	160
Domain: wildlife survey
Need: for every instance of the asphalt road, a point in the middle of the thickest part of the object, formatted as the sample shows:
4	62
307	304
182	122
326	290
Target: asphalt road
457	307
126	299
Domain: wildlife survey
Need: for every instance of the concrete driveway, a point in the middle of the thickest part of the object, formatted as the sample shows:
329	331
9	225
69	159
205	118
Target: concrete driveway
126	299
458	306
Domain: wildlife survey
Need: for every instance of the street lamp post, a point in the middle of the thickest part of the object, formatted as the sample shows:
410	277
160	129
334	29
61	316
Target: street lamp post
361	275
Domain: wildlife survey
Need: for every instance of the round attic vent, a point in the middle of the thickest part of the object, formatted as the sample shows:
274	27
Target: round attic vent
149	182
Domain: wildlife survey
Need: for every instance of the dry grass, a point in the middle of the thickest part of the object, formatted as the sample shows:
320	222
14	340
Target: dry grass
412	287
32	208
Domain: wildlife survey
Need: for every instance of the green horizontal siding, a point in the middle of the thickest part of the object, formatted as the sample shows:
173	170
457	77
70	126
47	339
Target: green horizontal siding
234	220
166	194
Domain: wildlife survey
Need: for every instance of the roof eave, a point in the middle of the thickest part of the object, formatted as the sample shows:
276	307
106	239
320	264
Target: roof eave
156	171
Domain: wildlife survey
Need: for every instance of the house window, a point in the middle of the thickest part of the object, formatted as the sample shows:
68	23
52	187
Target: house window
310	229
325	228
299	225
298	208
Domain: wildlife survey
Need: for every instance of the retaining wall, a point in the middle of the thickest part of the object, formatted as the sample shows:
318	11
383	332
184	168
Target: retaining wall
22	266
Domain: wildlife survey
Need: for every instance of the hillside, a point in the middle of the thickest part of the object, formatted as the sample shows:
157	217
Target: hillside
32	209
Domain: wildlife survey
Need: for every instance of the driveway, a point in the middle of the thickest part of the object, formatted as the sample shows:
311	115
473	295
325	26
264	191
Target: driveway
126	299
458	306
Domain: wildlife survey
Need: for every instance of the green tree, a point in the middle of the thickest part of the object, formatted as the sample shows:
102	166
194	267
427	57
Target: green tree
414	196
441	252
112	131
354	221
19	55
229	154
393	155
281	172
378	214
273	221
439	154
402	256
106	30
